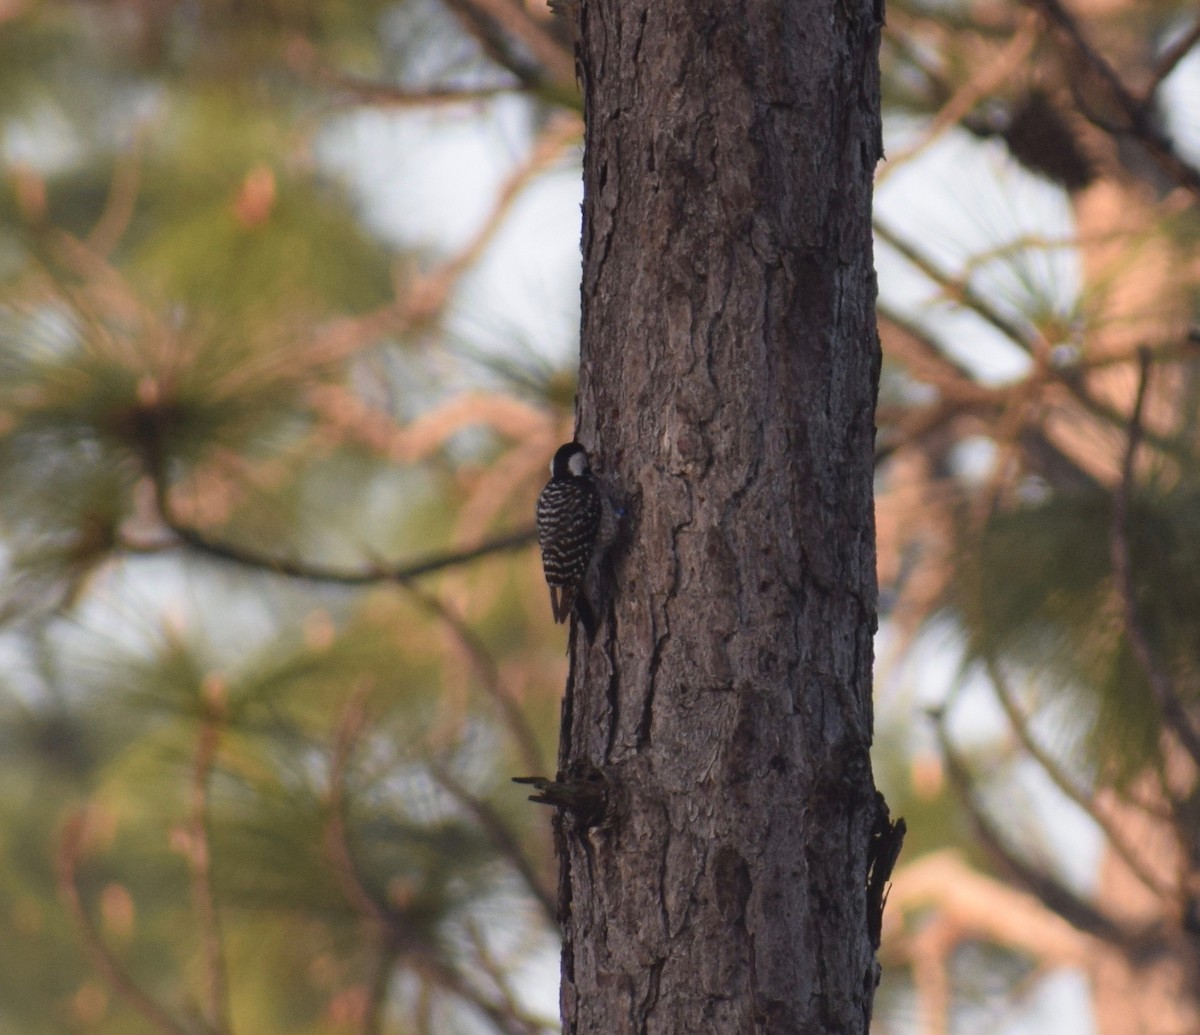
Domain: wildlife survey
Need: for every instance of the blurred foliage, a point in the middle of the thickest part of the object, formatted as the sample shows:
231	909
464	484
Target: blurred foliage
1035	223
1037	590
233	411
211	366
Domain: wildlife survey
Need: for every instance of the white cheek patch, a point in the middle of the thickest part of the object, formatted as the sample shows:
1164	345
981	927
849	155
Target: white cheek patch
578	464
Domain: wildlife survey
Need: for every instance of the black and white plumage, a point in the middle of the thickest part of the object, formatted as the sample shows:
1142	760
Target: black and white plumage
575	525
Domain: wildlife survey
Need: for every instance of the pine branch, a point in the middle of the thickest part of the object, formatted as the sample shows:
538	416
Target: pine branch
1083	799
381	976
958	288
955	288
199	860
489	675
248	557
394	942
960	395
1170	59
987	78
1137	112
120	205
337	843
121	984
387	95
502	840
451	980
517	41
1051	892
1161	685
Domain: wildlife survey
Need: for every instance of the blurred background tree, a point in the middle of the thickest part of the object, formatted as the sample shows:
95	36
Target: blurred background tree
270	656
1037	505
275	401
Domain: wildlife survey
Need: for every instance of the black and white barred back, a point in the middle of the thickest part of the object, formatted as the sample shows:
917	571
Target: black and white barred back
570	512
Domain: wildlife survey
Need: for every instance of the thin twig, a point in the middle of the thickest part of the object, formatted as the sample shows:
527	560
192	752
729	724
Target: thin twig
121	203
987	78
111	973
500	980
1161	684
1155	808
489	676
434	289
501	838
1020	412
1173	351
1008	250
249	557
429	292
446	977
929	951
394	943
388	932
423	1009
1170	59
377	994
905	340
1066	785
199	858
337	844
958	289
1056	897
1141	122
388	95
955	288
499	23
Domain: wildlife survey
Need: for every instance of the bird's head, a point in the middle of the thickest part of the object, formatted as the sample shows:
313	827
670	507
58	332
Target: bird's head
570	461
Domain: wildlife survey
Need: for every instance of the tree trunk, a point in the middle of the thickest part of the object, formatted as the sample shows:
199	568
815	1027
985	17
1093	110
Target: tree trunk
729	369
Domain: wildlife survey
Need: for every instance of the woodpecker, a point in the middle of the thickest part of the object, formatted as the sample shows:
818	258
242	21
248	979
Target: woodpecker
575	524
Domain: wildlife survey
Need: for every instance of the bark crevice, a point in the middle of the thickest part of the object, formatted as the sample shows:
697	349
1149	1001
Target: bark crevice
727	386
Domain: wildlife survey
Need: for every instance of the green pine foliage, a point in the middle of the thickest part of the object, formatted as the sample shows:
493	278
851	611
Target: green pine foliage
1038	591
203	657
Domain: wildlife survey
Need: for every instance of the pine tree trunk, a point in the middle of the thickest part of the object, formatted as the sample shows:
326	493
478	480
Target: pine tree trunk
729	369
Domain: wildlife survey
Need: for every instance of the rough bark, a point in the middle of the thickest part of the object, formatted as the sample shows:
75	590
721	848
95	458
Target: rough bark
729	369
